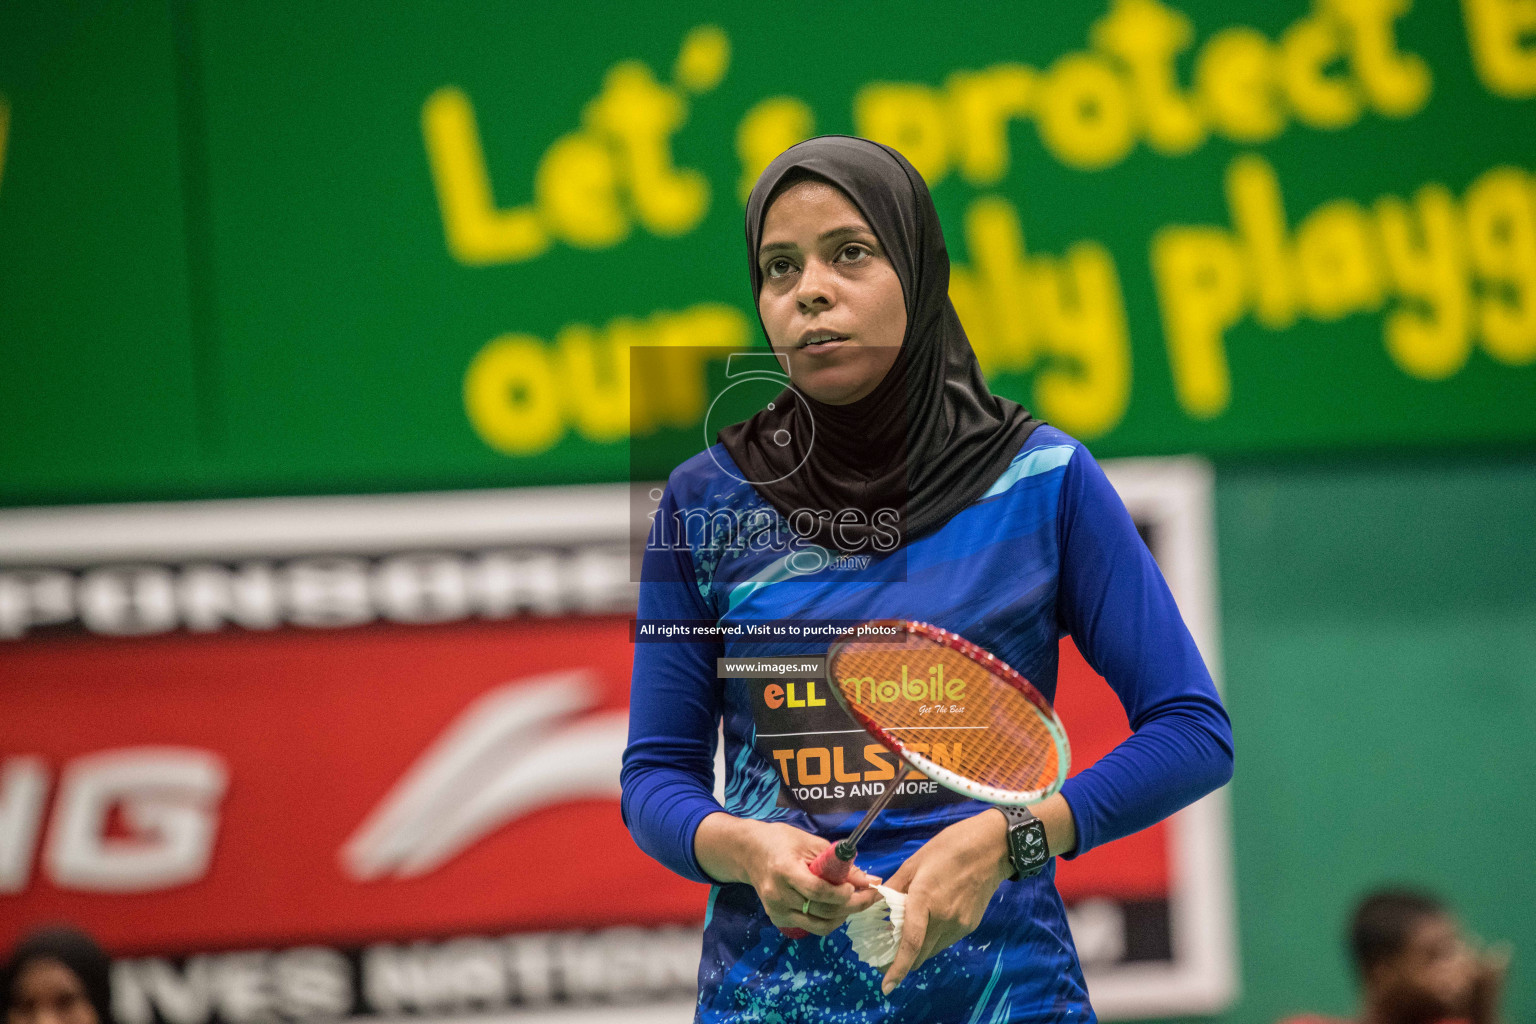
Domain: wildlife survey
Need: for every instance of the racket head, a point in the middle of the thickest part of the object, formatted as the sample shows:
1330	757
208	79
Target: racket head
1002	741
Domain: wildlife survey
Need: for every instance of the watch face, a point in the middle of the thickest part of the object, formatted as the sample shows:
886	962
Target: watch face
1034	842
1029	848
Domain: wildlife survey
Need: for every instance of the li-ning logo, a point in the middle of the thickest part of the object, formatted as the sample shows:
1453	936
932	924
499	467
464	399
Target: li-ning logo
520	747
931	687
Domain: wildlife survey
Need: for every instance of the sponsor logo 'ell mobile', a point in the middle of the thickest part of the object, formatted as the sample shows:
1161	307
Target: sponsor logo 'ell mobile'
930	687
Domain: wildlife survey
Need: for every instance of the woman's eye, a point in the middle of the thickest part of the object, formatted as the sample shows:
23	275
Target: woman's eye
853	253
778	267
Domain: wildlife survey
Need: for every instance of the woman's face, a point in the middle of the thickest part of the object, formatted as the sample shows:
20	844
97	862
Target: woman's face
47	992
831	301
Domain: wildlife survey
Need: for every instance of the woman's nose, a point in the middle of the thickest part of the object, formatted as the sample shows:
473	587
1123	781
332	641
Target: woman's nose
816	286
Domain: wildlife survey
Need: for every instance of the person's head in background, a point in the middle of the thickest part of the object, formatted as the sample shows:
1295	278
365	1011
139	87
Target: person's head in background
57	976
1414	964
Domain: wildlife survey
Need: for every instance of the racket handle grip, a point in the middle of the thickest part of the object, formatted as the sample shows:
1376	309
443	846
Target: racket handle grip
830	867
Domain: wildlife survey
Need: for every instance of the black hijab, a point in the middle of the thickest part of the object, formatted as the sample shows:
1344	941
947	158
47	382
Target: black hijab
75	950
930	438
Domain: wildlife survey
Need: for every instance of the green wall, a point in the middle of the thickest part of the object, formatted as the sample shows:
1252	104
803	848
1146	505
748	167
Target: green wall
230	261
98	382
1379	634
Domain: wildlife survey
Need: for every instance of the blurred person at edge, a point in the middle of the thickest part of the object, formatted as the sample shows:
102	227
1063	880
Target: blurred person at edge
57	976
1415	966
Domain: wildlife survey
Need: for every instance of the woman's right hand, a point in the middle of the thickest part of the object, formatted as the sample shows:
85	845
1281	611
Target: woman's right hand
774	858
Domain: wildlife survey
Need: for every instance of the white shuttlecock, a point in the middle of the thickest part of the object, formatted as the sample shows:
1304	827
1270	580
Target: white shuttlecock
875	931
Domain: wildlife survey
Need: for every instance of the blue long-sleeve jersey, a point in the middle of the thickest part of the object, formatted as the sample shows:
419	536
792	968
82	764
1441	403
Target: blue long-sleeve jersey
1048	550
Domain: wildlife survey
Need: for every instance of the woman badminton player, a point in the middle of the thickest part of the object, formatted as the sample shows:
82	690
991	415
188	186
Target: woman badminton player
886	481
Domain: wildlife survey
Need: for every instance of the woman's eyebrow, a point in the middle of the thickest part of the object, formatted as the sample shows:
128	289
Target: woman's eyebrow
830	233
845	230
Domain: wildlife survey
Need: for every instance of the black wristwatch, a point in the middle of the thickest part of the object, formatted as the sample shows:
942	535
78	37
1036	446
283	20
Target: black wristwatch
1027	848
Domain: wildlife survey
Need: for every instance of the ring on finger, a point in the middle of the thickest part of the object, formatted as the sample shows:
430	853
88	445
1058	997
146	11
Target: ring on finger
807	908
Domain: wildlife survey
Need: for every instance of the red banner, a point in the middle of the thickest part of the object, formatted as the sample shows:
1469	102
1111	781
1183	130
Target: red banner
327	767
247	789
312	731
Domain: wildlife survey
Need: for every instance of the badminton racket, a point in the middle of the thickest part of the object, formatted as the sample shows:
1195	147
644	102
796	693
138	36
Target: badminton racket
918	689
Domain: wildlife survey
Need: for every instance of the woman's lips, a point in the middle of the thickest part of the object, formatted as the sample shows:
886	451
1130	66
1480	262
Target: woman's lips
823	346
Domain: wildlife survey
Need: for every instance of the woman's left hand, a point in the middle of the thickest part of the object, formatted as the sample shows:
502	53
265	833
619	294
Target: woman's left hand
949	881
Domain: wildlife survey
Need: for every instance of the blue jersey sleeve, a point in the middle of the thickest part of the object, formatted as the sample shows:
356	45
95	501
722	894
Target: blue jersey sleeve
674	708
1113	600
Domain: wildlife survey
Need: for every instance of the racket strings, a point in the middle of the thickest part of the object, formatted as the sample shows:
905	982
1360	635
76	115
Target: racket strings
952	709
